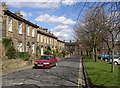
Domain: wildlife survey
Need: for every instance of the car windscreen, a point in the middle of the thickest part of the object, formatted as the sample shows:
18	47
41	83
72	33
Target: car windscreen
116	56
45	57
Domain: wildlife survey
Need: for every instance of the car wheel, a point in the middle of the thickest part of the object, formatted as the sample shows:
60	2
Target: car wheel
105	60
34	67
116	63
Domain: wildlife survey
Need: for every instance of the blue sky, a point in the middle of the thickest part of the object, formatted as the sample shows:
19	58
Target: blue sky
58	17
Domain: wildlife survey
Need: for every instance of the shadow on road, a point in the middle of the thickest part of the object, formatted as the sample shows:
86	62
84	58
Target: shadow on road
65	75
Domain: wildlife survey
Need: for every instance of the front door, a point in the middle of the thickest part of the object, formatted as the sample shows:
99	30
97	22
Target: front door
41	50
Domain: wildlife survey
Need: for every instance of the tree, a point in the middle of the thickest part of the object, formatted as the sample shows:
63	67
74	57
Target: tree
89	32
101	25
112	27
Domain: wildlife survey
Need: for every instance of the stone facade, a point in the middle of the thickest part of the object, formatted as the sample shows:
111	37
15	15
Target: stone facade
60	45
21	31
72	47
103	49
27	36
45	39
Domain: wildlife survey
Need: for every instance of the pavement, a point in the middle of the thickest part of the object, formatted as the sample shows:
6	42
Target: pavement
67	74
11	71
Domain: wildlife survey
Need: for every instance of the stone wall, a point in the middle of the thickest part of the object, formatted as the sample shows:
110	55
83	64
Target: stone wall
13	65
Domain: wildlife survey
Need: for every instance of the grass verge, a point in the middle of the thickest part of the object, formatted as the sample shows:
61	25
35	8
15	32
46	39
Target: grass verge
99	74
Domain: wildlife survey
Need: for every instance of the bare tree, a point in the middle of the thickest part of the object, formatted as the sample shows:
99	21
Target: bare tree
112	27
101	27
90	32
83	37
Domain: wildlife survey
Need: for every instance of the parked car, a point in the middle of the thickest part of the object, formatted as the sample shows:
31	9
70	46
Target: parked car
107	58
45	61
116	59
99	56
104	57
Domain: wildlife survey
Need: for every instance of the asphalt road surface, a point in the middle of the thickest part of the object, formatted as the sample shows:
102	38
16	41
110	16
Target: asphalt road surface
64	75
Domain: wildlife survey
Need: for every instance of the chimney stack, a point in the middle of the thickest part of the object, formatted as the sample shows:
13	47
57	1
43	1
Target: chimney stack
19	14
4	6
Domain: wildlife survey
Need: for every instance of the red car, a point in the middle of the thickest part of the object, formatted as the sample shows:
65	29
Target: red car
45	61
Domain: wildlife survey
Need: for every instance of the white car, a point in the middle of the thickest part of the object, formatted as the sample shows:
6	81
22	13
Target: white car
116	60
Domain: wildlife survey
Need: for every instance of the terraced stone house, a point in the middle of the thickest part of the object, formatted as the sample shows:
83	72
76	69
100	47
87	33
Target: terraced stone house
26	36
45	39
20	30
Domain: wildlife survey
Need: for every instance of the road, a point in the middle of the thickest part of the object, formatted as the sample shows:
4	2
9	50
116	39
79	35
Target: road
64	75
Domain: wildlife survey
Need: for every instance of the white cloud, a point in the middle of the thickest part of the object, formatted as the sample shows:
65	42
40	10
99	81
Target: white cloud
33	4
68	2
38	3
62	1
63	32
59	28
54	19
30	14
64	35
25	14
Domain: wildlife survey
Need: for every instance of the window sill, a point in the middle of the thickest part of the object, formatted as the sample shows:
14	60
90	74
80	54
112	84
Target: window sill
20	34
10	31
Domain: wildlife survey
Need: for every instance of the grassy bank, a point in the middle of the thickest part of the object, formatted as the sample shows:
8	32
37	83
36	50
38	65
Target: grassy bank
99	74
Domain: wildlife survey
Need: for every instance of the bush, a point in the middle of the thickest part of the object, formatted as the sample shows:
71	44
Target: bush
7	42
63	53
9	48
48	48
47	52
57	54
11	53
24	55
